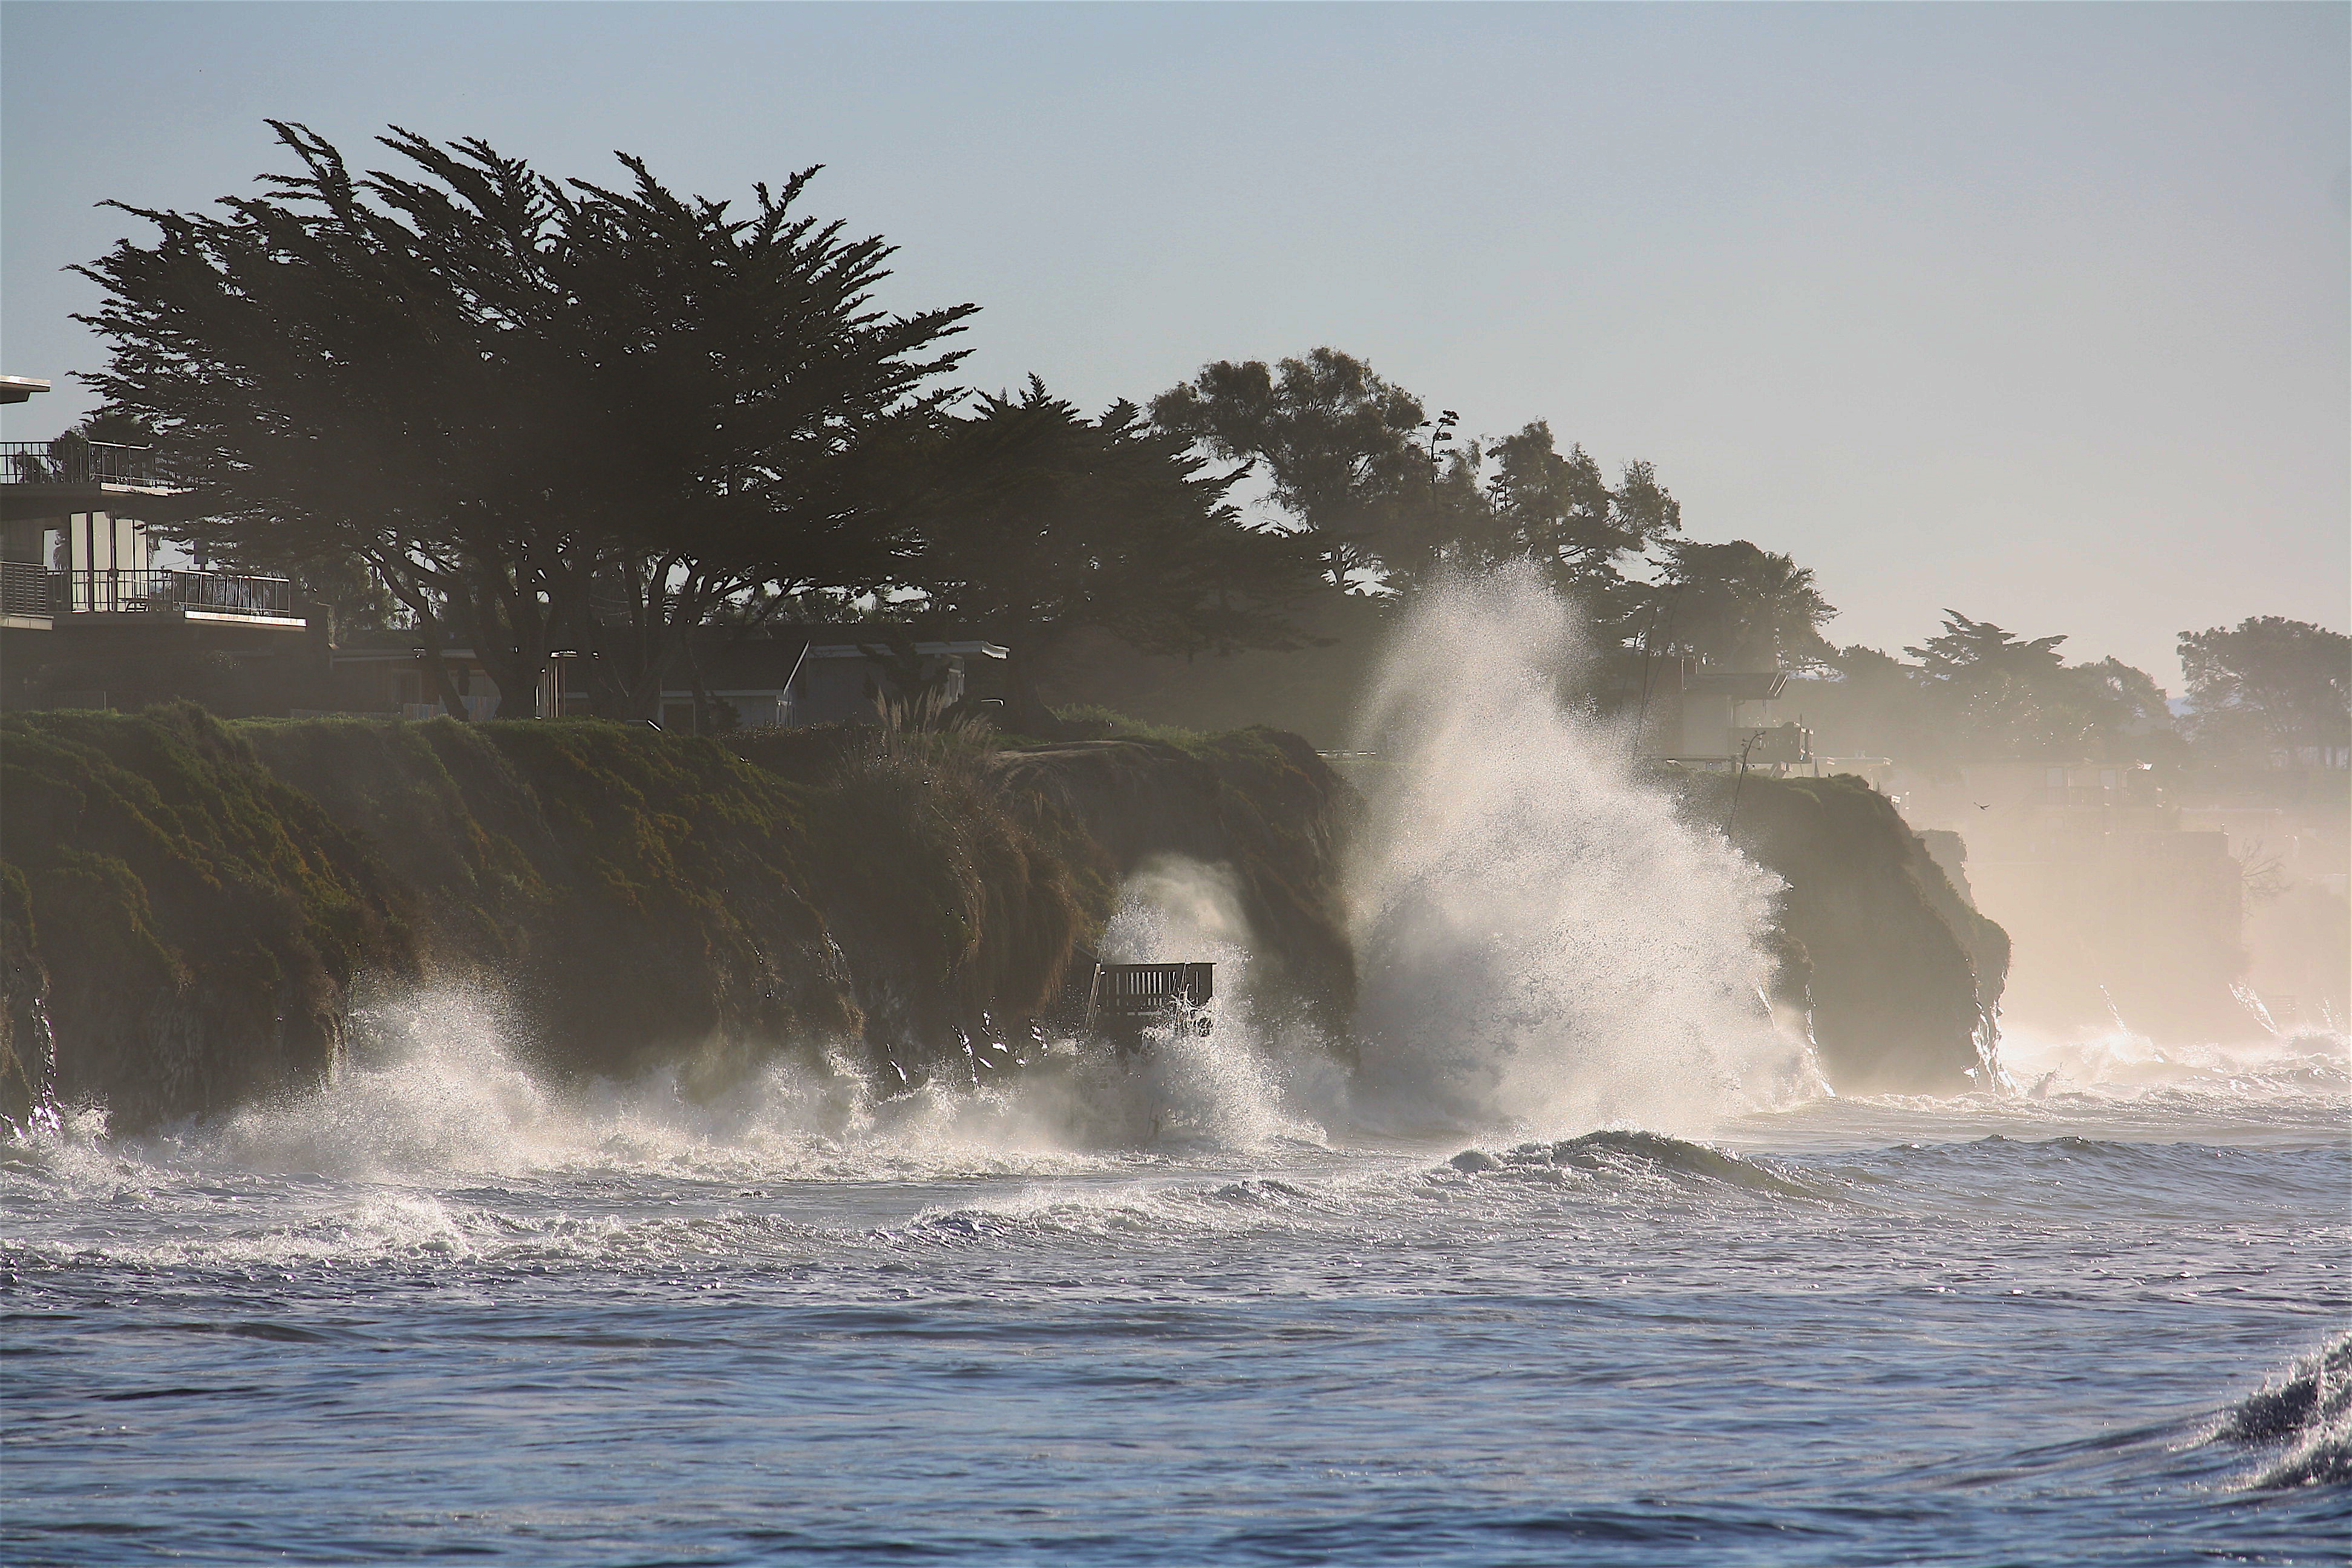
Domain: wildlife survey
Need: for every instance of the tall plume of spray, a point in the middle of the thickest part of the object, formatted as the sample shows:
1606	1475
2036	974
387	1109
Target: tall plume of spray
1544	944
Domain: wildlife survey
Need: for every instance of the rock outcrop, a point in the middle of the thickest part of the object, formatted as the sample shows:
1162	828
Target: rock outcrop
1901	971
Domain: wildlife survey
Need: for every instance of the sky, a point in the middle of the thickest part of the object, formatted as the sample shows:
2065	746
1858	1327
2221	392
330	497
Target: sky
2034	312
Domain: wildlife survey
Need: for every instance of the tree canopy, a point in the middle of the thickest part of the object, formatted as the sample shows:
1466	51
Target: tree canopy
1991	694
1392	498
2270	685
540	412
1034	515
1742	606
1338	443
541	415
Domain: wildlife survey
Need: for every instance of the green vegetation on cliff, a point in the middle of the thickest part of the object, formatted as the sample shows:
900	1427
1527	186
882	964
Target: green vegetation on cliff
186	924
644	894
188	904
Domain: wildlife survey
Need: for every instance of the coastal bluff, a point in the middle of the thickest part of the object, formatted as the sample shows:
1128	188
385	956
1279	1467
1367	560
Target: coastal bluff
191	909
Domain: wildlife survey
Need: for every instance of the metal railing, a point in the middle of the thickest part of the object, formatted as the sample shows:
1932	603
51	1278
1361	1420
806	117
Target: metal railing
74	461
28	588
111	592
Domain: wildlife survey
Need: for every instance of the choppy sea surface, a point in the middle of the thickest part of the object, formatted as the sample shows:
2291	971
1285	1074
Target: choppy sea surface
440	1311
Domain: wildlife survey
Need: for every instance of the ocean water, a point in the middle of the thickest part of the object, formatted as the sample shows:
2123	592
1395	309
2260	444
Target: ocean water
1579	1260
440	1311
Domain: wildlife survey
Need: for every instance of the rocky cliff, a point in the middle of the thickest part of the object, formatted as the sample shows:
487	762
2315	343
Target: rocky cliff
1900	969
187	906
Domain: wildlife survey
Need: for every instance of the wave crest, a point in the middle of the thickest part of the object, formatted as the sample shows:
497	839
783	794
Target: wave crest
2306	1413
1629	1151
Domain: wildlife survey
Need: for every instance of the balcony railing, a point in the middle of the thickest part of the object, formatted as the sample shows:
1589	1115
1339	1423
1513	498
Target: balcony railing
112	592
79	462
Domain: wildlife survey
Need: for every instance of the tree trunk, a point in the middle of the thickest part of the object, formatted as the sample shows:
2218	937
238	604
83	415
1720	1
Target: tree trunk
429	627
508	630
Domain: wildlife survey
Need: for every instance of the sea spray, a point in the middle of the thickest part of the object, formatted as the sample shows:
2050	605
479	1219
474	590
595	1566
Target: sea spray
1235	1084
2303	1415
1543	943
438	1084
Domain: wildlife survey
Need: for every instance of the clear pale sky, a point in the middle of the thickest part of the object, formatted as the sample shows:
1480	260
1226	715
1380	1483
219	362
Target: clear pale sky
2036	312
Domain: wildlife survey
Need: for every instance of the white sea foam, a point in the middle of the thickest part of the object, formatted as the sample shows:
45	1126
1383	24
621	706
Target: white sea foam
436	1088
2122	1062
1543	943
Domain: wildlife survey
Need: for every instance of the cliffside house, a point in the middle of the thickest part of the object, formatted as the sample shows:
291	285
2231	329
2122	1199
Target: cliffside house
1701	716
81	579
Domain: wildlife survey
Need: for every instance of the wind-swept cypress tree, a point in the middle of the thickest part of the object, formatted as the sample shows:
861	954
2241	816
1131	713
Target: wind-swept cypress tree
542	413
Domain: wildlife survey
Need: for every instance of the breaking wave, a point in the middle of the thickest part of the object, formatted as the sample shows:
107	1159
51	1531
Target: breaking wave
1544	944
2303	1418
1639	1156
2120	1063
433	1087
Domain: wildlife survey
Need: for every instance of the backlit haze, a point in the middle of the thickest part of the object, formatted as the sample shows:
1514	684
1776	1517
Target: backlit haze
2039	313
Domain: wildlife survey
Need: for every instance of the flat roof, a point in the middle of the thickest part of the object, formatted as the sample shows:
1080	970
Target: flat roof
857	650
1740	686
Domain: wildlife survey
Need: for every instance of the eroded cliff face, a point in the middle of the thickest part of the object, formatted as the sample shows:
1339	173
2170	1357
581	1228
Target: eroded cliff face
189	905
1901	970
641	898
180	925
1259	803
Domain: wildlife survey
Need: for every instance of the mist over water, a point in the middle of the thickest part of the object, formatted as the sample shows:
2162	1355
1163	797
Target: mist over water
1485	1298
1543	944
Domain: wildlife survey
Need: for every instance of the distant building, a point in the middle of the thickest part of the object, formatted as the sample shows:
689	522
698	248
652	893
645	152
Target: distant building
1695	714
383	672
79	578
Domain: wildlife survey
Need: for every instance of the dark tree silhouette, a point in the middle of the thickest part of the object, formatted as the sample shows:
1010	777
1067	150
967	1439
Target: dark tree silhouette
541	414
1343	449
1043	521
1557	510
1991	694
1743	606
2269	684
1390	499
